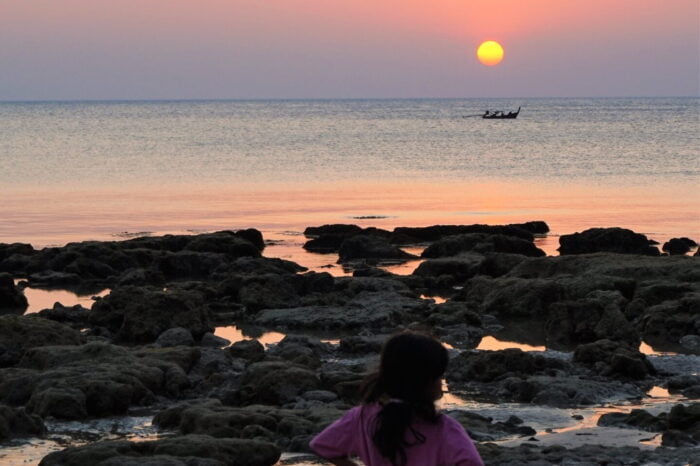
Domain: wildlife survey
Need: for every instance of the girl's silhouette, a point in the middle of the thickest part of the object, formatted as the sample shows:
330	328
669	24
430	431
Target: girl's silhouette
397	423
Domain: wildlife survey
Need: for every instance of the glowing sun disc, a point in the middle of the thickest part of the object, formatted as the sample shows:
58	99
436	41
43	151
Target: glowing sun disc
490	53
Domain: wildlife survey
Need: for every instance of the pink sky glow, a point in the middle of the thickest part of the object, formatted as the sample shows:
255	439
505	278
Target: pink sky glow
160	49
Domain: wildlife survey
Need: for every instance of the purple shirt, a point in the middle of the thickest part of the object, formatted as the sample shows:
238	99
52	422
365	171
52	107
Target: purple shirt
446	442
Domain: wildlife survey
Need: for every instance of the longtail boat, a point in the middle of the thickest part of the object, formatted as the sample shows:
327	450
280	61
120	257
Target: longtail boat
498	115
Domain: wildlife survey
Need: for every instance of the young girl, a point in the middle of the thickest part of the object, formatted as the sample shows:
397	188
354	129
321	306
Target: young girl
397	423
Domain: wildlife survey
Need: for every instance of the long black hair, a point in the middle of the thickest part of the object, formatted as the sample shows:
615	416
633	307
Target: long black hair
411	366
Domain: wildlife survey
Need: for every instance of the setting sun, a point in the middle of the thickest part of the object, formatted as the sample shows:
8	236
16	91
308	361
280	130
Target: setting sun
490	53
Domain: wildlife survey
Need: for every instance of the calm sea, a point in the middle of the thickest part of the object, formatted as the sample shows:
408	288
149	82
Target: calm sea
80	170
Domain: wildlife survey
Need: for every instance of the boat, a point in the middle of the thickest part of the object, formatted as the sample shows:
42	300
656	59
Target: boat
499	115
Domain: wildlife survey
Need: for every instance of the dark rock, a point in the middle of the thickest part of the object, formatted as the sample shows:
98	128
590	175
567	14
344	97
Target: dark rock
570	323
229	243
276	382
300	350
193	449
690	342
536	227
12	300
512	297
92	380
74	316
487	366
362	344
671	320
678	246
267	292
15	422
617	240
483	429
211	340
406	235
636	419
614	359
21	249
676	438
450	271
686	418
481	243
20	333
251	350
334	229
140	315
253	236
370	247
368	310
177	336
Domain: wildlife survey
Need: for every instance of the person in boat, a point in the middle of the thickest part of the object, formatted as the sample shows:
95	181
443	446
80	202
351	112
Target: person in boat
397	423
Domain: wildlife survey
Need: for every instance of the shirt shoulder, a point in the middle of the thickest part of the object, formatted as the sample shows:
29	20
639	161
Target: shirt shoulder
459	447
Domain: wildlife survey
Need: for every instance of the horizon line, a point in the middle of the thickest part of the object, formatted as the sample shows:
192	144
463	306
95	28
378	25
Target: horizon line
321	99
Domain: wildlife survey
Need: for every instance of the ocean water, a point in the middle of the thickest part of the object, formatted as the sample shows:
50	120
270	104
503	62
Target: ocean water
101	170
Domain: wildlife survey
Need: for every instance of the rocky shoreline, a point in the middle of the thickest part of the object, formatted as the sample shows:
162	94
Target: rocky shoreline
151	343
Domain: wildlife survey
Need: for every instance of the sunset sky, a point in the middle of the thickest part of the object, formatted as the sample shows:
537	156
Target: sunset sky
189	49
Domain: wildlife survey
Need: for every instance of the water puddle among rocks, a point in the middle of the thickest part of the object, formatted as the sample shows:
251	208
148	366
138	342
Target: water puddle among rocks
61	434
491	343
235	334
41	298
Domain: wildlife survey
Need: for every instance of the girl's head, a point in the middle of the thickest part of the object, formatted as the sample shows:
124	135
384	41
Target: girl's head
408	382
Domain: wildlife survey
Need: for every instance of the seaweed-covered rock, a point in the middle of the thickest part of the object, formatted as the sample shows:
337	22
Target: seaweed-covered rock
140	315
16	422
671	320
368	310
570	323
487	366
200	450
93	380
19	333
618	240
276	382
614	359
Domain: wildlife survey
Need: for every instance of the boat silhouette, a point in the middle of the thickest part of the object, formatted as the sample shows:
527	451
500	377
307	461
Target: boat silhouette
499	115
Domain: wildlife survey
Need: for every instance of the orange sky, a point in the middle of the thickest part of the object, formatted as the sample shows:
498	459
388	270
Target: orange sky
339	48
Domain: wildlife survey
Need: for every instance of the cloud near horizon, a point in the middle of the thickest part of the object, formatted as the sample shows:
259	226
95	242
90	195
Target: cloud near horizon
184	49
